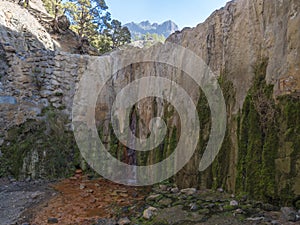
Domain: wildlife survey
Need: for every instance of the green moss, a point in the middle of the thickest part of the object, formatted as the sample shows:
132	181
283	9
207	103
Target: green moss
220	167
59	94
4	168
289	131
229	207
257	139
263	129
205	121
41	149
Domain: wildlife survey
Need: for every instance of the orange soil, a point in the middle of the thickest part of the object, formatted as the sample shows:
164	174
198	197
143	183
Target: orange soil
81	200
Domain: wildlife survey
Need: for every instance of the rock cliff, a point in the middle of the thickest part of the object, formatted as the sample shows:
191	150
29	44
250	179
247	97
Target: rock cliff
251	45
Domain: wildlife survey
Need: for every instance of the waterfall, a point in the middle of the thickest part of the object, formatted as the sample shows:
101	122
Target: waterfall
131	158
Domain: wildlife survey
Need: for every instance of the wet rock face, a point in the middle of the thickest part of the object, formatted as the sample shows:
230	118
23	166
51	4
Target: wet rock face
232	43
35	79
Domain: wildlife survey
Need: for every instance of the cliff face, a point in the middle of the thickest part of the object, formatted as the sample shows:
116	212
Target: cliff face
238	42
251	45
235	37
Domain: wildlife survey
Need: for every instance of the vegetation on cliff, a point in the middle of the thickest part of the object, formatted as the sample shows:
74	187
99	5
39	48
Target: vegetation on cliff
265	127
40	149
91	21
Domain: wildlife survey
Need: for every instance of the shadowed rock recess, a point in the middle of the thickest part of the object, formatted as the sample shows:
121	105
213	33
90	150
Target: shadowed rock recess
253	48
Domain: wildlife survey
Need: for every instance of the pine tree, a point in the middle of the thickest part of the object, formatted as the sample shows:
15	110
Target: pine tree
88	17
103	43
118	34
54	7
91	21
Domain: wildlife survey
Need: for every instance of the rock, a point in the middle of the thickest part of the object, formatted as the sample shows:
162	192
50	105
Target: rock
9	48
289	214
36	195
177	215
63	23
221	209
93	200
174	190
188	191
114	194
134	194
90	191
81	186
46	93
8	100
204	211
234	203
211	205
149	212
165	202
194	207
220	190
163	187
52	220
239	211
268	207
124	195
12	180
54	99
154	197
106	222
124	221
255	219
44	102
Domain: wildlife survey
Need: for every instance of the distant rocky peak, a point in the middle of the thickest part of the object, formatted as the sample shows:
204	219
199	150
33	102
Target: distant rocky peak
139	29
145	23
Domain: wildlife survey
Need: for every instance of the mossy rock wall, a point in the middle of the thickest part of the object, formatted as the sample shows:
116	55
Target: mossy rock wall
268	138
40	149
260	155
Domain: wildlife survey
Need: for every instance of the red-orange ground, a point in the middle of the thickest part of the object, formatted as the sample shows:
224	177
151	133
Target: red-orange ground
80	201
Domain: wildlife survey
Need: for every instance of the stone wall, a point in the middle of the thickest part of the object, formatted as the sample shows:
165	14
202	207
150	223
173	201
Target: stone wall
35	81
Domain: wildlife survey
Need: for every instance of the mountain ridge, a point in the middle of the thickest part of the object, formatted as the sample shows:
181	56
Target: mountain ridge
139	29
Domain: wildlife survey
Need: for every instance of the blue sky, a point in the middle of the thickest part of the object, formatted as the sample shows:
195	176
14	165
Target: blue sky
184	13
